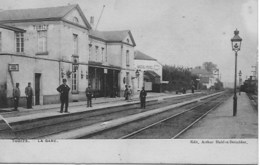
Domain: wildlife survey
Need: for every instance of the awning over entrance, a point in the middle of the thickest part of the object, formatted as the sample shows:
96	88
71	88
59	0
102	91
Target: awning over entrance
151	76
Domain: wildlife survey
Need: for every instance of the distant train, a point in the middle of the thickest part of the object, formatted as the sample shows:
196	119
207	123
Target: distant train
250	86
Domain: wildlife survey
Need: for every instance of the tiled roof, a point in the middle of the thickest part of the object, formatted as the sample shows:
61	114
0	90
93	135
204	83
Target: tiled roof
37	13
114	36
141	56
40	14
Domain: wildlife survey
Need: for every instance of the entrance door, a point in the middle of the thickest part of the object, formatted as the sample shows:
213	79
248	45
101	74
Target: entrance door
37	88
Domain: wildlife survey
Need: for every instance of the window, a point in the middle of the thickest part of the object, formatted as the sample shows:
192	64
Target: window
0	41
75	44
138	83
75	75
127	40
102	53
42	41
106	57
75	20
19	42
90	48
127	58
127	78
96	53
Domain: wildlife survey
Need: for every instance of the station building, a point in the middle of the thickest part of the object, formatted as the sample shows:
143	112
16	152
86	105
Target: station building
111	61
149	71
45	45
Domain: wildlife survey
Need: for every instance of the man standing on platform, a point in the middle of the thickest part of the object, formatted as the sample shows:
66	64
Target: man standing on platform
143	97
29	94
89	95
16	96
126	93
64	95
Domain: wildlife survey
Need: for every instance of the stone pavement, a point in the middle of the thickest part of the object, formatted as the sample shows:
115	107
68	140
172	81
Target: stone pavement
220	123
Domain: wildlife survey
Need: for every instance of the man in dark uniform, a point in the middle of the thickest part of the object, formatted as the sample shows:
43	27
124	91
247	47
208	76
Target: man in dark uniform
126	93
192	86
64	95
143	97
29	94
89	95
16	96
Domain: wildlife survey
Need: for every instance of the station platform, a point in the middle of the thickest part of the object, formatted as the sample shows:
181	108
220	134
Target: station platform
53	110
221	124
95	101
50	114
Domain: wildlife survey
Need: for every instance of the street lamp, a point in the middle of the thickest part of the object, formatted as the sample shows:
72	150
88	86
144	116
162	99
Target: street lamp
198	83
240	81
236	45
137	73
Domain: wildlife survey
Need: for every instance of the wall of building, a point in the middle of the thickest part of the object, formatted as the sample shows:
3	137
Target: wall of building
59	47
143	65
114	54
126	48
98	57
149	65
8	44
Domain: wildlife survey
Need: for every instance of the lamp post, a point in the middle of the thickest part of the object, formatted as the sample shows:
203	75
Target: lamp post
198	83
236	45
240	81
137	74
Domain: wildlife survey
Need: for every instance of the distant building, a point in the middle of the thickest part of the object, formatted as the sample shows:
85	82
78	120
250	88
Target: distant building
150	72
206	78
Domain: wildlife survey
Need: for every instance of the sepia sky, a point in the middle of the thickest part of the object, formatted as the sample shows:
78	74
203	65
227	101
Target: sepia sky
176	32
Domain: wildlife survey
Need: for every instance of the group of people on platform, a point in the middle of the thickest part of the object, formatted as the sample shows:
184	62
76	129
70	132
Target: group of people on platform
17	94
64	89
128	95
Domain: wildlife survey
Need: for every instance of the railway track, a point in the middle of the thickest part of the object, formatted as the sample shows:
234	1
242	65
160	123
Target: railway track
167	125
89	118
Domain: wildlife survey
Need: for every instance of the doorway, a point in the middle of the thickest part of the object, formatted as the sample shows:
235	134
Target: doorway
37	88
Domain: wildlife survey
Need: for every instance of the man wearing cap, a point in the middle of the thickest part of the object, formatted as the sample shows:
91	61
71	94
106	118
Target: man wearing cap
16	96
143	97
89	95
64	89
29	94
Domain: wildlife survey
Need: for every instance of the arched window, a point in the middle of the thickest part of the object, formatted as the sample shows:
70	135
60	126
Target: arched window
75	20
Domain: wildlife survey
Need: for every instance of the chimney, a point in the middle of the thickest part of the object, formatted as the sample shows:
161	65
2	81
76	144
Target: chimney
92	21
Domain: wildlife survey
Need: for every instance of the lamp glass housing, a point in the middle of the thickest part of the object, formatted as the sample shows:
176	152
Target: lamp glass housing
137	73
236	41
240	73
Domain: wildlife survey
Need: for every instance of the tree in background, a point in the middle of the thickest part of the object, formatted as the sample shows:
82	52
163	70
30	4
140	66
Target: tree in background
209	66
178	76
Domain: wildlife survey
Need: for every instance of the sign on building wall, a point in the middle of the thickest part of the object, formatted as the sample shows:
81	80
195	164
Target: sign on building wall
13	67
148	67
